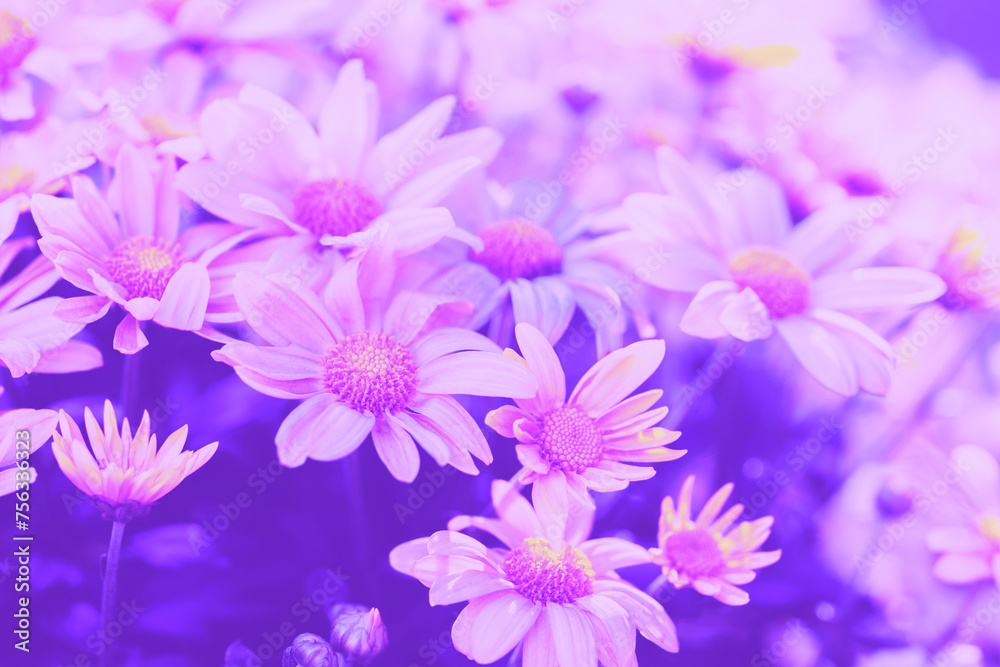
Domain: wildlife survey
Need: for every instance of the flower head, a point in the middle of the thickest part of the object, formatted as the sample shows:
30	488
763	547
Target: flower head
309	650
122	472
358	632
362	369
137	259
548	586
753	273
707	551
589	440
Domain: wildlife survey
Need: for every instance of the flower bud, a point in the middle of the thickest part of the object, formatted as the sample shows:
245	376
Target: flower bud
358	632
309	650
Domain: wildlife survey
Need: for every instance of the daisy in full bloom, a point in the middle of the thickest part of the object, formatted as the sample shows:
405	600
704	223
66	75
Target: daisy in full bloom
754	274
32	338
588	441
553	589
707	552
32	427
137	259
126	473
359	369
338	186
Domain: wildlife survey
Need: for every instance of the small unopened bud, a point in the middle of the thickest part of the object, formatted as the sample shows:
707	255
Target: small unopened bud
358	632
309	650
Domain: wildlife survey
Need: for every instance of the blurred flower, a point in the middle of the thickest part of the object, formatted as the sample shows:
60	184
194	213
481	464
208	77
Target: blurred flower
309	650
567	447
360	370
705	552
970	265
32	338
753	274
126	473
340	186
139	260
358	632
548	587
33	427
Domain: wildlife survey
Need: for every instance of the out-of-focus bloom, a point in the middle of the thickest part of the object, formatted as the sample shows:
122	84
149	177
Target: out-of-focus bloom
32	338
340	186
548	586
705	551
358	632
126	473
540	273
138	260
32	428
754	274
309	650
588	441
970	264
361	370
971	552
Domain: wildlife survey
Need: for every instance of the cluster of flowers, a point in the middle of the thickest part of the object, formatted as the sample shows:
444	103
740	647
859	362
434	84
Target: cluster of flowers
369	206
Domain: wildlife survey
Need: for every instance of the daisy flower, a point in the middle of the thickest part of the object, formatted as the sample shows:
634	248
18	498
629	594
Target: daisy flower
362	370
707	552
137	259
754	274
555	591
588	441
338	185
32	426
126	473
32	338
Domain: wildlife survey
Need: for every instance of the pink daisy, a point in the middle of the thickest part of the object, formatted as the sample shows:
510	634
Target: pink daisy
14	424
556	591
32	338
361	370
707	552
587	442
753	273
137	259
126	473
338	185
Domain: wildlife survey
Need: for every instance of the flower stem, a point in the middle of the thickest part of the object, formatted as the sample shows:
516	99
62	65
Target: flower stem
130	384
110	592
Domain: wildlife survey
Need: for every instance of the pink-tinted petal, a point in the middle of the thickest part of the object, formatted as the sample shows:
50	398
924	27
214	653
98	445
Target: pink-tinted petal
547	303
573	635
616	376
615	632
490	627
702	317
135	185
70	357
539	645
396	449
502	419
531	457
321	428
746	317
872	355
958	568
82	309
129	338
545	366
822	354
343	299
514	509
455	424
629	408
647	614
283	317
874	288
446	340
551	500
607	554
495	375
185	299
465	586
347	121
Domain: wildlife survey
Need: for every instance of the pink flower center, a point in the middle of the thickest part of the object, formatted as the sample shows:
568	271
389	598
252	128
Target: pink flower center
694	552
17	39
570	440
370	372
542	574
144	266
337	207
780	285
518	249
